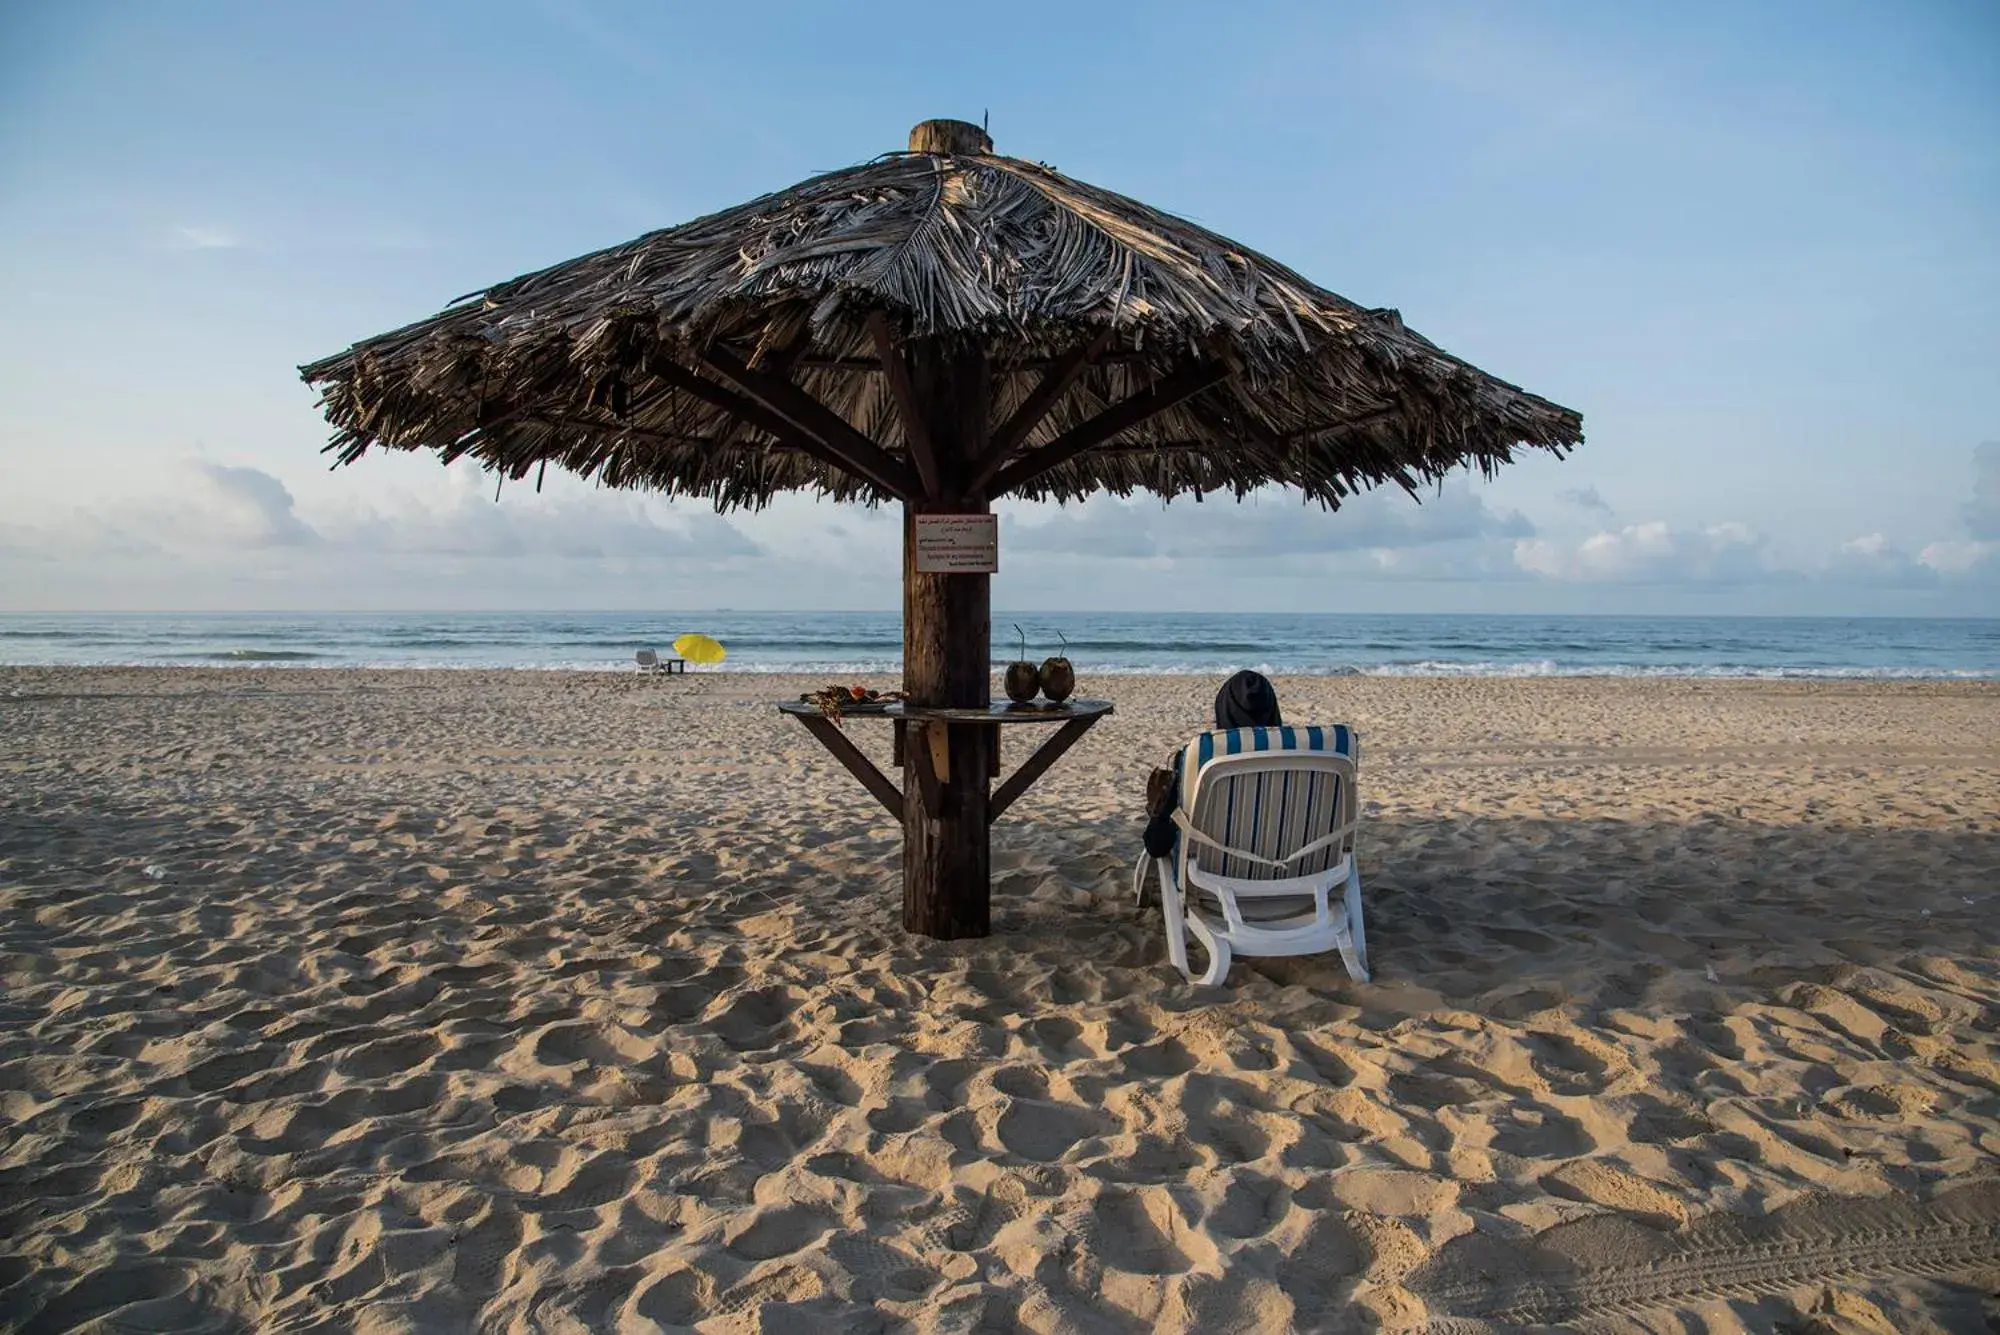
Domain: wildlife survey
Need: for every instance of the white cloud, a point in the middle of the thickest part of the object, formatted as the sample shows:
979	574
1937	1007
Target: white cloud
1736	556
578	525
1966	559
1265	524
1870	546
203	238
1585	498
229	533
242	507
1873	559
1653	553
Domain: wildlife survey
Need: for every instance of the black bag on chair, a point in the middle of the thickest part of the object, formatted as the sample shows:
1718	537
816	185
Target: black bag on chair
1163	794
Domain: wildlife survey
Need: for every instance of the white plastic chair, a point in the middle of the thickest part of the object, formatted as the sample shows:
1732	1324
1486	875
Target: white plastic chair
649	661
1267	819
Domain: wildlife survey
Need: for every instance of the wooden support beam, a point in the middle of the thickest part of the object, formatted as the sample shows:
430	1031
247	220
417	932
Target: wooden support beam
834	433
1351	424
1036	765
915	430
860	766
1055	382
1250	435
1119	417
870	366
778	363
756	414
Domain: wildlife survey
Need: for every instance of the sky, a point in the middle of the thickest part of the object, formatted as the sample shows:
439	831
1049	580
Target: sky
1758	247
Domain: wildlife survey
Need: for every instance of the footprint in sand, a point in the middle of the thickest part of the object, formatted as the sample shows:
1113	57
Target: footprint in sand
219	1073
485	1252
1653	1122
780	1290
297	1129
678	1298
462	1052
755	1020
898	1117
1316	1271
774	1143
1435	1091
1054	1033
161	1293
64	1183
1021	1082
1152	1159
1519	1005
946	1080
464	975
1539	1133
1568	1066
1595	1182
418	1093
1136	1231
386	1057
778	1232
1390	1192
682	1002
1045	1132
1324	1064
880	1271
591	1306
574	1043
101	1120
836	1084
1244	1137
1869	1102
1251	1206
1163	1060
584	1182
1348	1115
961	1131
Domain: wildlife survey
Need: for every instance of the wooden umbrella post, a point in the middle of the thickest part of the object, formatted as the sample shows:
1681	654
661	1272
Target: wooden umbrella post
947	634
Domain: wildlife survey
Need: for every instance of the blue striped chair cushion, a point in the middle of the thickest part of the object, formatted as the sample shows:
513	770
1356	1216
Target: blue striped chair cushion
1270	814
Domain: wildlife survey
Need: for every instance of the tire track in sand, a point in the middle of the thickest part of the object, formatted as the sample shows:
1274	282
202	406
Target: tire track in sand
1609	1266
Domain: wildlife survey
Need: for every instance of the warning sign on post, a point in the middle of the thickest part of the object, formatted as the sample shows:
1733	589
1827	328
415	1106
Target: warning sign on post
958	544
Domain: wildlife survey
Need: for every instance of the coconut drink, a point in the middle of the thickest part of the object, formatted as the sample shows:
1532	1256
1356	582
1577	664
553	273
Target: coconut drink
1058	677
1023	678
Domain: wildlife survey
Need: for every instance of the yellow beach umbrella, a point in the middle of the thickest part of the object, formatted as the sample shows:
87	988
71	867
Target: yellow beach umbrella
700	649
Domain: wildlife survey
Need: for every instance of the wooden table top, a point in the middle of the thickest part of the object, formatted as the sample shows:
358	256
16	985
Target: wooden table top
1038	712
999	713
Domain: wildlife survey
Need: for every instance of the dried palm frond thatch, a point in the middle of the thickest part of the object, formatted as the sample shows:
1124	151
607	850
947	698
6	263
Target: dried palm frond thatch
759	350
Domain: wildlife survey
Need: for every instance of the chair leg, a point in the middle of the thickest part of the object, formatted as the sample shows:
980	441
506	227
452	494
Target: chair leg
1218	959
1170	904
1354	941
1140	874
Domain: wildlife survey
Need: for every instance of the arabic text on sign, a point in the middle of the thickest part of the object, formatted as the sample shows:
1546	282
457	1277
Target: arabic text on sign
958	544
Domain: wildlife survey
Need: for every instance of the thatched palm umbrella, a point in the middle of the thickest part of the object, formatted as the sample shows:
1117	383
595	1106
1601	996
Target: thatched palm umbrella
938	328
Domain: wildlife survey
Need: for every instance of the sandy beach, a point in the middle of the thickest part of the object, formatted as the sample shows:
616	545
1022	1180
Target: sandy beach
435	1001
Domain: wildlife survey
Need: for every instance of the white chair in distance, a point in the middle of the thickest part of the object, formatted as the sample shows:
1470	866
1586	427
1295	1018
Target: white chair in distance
650	662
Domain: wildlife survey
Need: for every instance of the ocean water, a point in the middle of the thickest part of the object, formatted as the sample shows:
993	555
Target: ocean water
848	643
